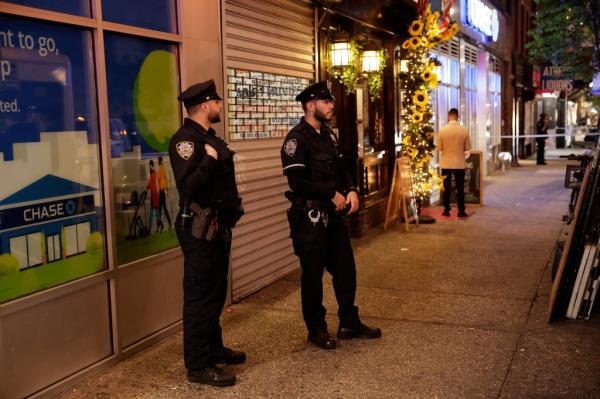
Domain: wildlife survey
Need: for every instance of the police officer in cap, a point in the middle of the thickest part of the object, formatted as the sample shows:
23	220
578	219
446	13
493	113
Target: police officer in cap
209	207
322	192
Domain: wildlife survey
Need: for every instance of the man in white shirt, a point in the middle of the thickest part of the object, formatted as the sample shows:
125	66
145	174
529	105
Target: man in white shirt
454	143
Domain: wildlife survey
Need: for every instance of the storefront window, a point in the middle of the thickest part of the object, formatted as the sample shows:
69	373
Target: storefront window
494	90
447	94
143	83
51	218
76	7
149	14
469	119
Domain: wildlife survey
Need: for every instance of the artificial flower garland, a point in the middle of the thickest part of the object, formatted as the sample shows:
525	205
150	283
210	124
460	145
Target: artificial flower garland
419	78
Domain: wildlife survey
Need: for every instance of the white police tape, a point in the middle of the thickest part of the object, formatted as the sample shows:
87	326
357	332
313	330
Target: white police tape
548	135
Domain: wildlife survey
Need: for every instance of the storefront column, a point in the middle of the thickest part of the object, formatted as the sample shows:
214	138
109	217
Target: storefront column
483	111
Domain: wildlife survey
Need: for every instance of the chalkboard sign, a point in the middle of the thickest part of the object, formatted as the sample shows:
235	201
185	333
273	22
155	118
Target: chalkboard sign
401	198
473	180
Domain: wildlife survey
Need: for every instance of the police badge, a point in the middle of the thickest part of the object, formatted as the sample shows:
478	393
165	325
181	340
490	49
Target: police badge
290	147
185	149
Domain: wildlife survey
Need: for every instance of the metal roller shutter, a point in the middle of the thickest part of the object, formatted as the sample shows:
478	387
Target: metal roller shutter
269	37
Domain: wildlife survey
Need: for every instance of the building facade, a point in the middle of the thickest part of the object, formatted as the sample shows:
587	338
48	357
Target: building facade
91	92
475	76
88	93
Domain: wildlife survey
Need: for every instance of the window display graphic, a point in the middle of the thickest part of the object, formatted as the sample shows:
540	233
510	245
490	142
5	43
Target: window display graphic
143	83
51	228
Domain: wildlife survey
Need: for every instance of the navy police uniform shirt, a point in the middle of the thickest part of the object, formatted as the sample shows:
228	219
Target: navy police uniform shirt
314	158
200	177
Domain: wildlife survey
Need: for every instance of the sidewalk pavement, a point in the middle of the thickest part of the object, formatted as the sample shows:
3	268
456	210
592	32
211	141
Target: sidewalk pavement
462	305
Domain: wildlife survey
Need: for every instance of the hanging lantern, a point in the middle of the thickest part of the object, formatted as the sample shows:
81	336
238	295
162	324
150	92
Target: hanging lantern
340	54
371	61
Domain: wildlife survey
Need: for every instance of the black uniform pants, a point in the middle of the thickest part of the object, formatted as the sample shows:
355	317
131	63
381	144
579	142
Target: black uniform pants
459	180
331	251
205	271
541	146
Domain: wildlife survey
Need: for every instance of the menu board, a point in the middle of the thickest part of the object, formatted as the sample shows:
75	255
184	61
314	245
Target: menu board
473	180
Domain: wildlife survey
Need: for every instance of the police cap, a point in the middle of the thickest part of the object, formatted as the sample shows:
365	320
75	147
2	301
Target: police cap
199	93
317	91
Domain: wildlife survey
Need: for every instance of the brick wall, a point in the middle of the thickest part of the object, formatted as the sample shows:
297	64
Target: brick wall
262	105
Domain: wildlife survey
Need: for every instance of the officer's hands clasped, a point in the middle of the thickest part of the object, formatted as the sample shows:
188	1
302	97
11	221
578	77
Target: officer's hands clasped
339	201
211	151
352	200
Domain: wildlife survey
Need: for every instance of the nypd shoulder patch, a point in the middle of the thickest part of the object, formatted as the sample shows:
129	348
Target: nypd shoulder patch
185	149
290	147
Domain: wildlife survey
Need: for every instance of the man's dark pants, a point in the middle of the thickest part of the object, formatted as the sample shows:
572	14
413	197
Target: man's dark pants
206	266
459	179
541	145
331	251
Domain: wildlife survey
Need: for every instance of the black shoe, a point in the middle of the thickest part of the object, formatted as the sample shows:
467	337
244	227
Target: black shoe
446	213
230	356
212	375
463	215
541	163
322	339
360	331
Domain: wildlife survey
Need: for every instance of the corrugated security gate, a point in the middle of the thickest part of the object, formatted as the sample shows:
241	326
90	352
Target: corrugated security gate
269	55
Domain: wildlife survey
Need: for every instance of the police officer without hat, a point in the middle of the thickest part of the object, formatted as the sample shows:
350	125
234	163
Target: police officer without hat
209	207
322	191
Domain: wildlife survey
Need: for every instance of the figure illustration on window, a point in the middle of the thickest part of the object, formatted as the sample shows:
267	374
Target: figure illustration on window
154	200
163	184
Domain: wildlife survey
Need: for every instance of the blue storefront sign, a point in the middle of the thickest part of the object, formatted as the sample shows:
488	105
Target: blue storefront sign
45	211
483	18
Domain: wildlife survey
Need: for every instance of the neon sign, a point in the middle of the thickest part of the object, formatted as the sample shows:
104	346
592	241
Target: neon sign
483	18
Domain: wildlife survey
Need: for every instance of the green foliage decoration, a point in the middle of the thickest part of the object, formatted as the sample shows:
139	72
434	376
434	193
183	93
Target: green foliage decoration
566	33
375	79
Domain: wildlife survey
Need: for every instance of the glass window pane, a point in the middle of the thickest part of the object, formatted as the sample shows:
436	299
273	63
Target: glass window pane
49	155
70	240
454	72
83	234
76	7
149	14
34	249
18	248
143	84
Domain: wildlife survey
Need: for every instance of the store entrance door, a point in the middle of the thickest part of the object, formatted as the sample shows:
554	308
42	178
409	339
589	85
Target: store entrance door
53	247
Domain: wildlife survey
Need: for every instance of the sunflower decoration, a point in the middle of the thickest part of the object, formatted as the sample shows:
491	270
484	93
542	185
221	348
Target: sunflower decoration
415	42
426	32
416	28
432	19
417	117
421	98
433	83
412	152
427	75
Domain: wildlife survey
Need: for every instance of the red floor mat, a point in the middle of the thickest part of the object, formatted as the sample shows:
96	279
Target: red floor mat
436	213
